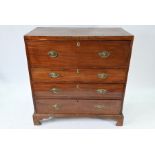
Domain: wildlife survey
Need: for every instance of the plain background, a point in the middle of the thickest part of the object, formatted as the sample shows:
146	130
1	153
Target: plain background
16	107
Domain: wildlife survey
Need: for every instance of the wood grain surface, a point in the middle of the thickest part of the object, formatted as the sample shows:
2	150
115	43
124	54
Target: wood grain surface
85	91
84	56
75	33
84	75
47	106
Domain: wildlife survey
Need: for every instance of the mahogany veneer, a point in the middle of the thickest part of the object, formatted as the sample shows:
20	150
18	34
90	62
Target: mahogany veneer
78	71
84	91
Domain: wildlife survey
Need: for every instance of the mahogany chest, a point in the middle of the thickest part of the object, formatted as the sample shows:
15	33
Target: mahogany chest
78	71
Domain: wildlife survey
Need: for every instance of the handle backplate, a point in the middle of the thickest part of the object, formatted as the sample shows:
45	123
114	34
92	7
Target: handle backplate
54	75
101	91
55	90
52	54
102	75
104	54
56	106
99	106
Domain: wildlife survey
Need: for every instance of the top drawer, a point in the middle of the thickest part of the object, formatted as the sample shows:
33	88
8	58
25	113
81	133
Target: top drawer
79	54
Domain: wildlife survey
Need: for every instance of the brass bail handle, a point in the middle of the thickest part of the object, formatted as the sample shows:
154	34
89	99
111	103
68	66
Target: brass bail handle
101	91
104	54
102	75
53	54
56	106
55	90
99	106
54	75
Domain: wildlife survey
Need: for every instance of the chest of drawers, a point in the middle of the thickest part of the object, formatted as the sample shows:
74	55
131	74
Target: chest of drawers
78	72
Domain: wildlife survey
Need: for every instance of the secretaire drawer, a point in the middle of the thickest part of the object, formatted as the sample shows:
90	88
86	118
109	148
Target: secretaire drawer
79	54
57	106
87	91
79	75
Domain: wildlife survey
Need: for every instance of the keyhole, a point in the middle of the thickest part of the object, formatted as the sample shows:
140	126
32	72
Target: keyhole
77	86
77	71
78	44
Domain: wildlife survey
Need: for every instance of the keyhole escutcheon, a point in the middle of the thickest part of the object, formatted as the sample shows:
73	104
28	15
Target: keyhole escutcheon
78	44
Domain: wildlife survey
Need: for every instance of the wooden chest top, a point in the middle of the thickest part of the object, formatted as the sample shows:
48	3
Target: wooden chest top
74	33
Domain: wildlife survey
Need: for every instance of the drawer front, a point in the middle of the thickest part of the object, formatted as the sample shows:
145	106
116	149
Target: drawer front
81	54
52	54
56	106
103	53
87	91
79	75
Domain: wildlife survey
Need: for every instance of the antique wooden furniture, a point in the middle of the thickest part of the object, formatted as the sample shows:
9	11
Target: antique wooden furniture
78	71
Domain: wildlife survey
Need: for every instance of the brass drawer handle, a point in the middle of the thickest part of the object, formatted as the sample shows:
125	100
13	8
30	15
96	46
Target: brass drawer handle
99	106
102	75
52	54
54	75
56	106
104	54
101	91
55	90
